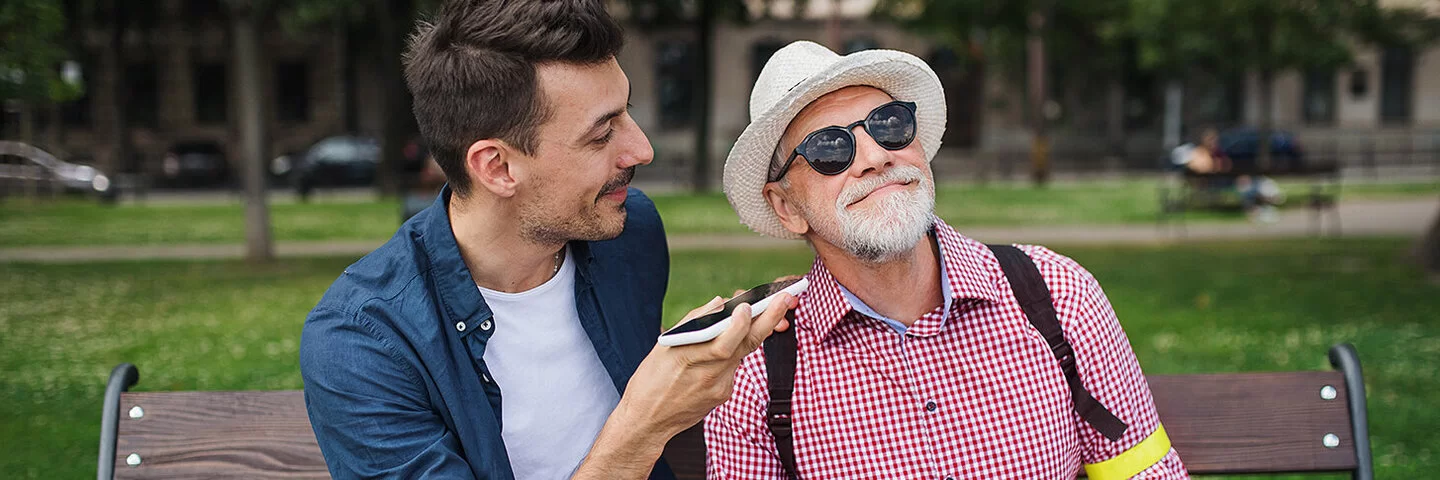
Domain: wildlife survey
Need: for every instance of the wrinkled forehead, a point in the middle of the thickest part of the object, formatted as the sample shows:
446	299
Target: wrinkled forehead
837	108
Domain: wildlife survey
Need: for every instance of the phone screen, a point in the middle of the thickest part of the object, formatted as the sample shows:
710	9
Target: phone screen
750	296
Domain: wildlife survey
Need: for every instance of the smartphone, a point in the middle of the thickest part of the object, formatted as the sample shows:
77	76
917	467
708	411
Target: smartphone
709	326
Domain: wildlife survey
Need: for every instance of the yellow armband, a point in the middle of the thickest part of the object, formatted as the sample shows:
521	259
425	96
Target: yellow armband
1133	461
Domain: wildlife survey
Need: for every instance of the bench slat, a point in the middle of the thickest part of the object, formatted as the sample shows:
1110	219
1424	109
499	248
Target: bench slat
1220	423
252	434
1255	422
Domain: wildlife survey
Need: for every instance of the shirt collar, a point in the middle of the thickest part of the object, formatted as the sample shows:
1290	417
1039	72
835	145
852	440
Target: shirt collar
453	284
969	272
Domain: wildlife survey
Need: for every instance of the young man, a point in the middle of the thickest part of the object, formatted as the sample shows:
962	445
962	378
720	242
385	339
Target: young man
912	357
508	330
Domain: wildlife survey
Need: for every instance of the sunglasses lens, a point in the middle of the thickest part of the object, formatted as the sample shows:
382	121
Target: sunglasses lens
829	151
892	126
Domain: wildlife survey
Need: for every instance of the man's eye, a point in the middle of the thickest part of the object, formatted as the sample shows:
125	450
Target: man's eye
605	139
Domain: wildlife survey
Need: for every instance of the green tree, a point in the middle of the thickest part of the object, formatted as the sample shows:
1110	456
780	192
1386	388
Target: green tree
704	16
31	56
383	28
1021	38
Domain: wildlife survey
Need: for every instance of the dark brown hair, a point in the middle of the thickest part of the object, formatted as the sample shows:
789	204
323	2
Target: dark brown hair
471	70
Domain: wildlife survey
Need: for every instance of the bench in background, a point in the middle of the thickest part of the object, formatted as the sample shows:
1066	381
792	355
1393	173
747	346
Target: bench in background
1186	190
1230	423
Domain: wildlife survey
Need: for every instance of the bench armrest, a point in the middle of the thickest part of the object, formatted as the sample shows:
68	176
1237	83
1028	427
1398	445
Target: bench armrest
1344	358
122	378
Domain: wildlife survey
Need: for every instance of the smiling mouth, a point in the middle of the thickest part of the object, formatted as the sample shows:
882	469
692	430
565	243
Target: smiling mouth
882	187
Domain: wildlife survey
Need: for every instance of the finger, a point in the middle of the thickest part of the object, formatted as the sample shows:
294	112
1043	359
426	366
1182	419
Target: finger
768	321
732	337
787	278
737	293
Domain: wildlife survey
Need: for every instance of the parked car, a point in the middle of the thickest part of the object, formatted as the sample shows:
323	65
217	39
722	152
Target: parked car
25	167
342	160
1242	145
193	164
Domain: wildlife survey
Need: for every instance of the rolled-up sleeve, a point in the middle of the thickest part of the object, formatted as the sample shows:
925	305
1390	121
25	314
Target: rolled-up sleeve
1109	370
368	406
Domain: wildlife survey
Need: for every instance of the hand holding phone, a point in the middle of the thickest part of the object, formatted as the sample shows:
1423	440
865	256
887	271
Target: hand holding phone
707	327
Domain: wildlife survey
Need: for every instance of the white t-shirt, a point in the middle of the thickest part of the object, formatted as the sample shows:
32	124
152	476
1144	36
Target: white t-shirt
555	393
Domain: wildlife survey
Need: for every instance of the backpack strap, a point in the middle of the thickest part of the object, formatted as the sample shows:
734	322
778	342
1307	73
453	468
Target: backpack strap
1034	299
780	370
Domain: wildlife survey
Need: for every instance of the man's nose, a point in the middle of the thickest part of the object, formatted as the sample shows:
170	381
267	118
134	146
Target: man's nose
637	150
870	157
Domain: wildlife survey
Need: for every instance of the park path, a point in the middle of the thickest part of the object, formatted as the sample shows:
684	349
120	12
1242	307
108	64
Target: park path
1360	218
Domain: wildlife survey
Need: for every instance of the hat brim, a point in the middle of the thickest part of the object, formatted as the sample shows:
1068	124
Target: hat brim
899	74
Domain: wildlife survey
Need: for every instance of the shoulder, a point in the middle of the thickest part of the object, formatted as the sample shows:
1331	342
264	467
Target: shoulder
642	219
1064	276
385	274
642	242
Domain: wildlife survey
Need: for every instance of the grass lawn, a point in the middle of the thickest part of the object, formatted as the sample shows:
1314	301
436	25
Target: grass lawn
24	223
1251	306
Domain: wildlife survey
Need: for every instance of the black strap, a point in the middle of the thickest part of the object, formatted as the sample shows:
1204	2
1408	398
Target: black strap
1034	299
780	370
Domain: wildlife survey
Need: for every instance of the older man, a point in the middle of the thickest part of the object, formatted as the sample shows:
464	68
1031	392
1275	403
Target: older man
918	352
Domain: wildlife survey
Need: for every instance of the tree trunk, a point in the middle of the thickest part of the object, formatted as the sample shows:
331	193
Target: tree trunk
1174	96
54	132
1428	250
27	123
123	160
345	77
1267	92
398	121
1115	116
250	111
1040	145
700	177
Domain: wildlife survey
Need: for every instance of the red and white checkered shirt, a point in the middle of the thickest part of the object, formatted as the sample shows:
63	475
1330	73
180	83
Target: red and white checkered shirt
973	392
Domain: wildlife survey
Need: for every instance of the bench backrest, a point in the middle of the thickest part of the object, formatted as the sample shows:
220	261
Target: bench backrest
1222	423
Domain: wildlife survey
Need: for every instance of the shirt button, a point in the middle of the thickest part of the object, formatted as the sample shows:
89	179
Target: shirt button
460	326
485	325
930	406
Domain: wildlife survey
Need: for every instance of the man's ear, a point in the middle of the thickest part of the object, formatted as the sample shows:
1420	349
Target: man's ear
488	162
781	201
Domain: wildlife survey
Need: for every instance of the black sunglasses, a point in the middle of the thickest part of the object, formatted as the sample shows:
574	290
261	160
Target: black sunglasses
831	150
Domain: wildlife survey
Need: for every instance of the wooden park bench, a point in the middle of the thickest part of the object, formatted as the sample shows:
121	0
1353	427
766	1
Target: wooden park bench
1232	423
1186	190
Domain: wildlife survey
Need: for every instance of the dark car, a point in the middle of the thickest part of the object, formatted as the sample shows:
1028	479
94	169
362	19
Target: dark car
194	164
1242	145
336	161
27	169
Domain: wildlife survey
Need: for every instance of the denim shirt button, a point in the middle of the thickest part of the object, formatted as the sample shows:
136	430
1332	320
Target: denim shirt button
485	325
460	326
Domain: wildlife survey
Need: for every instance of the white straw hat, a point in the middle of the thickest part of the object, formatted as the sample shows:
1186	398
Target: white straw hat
797	75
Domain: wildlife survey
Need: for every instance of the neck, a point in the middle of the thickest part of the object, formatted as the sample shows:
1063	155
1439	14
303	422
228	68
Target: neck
493	247
903	288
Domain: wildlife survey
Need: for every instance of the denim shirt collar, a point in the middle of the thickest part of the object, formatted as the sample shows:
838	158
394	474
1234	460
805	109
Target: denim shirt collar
454	286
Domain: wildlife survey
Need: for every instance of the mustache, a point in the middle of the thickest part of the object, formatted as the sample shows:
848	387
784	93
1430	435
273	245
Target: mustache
620	181
855	192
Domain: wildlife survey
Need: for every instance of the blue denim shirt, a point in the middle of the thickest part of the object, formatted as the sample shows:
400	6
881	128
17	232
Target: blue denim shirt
392	356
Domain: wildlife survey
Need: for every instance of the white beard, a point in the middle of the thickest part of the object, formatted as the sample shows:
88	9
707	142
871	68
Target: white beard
882	231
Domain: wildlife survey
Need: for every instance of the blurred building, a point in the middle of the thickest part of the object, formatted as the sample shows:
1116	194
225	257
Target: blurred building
321	82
